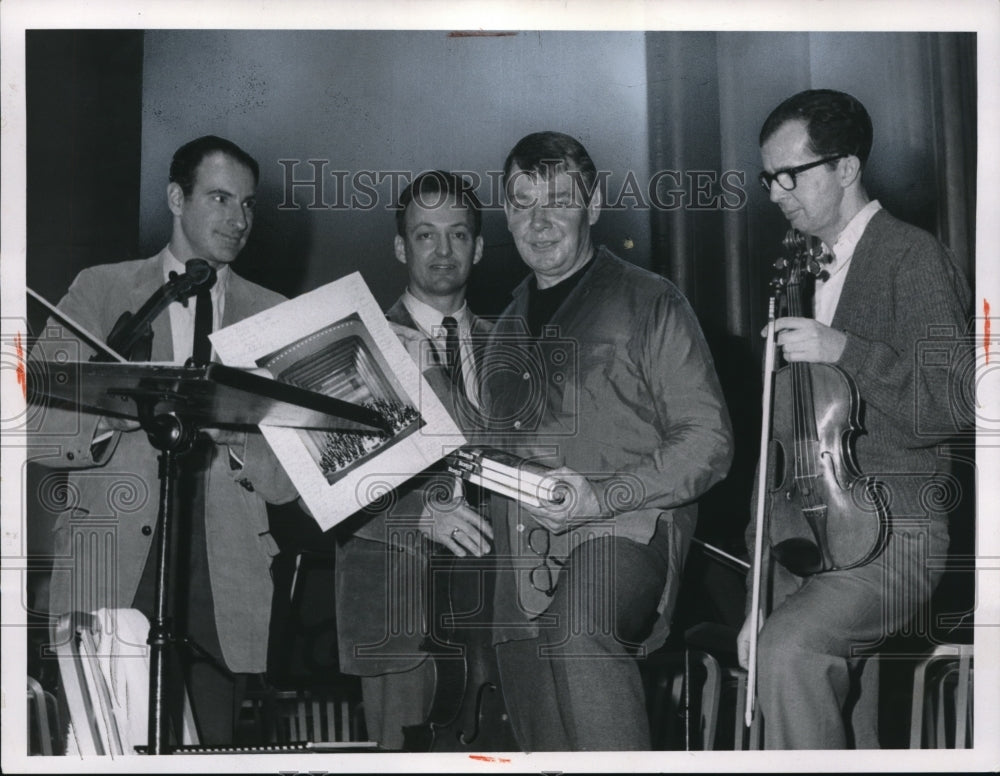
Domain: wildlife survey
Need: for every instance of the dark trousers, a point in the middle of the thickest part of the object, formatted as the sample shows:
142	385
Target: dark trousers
215	693
577	686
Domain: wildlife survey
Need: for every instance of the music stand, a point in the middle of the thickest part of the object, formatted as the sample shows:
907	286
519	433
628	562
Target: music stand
172	404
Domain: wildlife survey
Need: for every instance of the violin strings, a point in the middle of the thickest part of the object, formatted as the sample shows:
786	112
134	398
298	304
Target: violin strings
803	413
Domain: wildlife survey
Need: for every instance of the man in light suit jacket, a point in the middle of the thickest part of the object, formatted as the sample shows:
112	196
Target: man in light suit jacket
103	539
382	561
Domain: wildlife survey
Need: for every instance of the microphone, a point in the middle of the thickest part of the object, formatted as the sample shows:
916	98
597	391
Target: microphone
201	274
132	335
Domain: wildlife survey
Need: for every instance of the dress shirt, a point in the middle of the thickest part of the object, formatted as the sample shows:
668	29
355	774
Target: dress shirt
182	318
827	293
429	321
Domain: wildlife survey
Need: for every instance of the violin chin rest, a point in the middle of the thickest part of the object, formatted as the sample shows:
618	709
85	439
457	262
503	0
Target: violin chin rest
800	556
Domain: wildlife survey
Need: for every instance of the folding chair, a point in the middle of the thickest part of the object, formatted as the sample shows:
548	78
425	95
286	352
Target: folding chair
941	714
104	668
43	720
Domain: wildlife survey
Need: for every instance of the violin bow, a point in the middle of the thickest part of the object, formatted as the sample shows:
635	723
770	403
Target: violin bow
758	543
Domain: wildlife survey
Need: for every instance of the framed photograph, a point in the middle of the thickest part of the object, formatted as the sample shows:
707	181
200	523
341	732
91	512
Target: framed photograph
336	341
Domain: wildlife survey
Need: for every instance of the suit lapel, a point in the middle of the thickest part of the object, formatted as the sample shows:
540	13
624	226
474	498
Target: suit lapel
480	335
149	280
239	303
399	315
854	296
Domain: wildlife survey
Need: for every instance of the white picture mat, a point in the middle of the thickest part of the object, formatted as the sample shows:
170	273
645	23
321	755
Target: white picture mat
244	343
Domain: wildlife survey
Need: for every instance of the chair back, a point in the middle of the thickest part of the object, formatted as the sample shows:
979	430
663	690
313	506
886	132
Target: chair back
104	669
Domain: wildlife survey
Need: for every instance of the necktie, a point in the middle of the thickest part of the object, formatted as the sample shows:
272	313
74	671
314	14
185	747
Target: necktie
454	354
201	352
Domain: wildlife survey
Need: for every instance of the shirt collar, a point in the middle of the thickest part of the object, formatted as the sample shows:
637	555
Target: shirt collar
427	318
843	249
172	264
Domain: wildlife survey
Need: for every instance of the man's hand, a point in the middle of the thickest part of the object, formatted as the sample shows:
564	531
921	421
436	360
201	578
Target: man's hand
107	423
452	523
743	642
578	505
225	436
803	339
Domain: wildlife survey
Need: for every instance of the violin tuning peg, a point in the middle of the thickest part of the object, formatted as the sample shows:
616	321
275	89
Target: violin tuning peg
794	240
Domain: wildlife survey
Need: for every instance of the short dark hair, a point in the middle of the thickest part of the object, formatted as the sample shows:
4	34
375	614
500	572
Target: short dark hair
837	123
186	159
431	188
544	153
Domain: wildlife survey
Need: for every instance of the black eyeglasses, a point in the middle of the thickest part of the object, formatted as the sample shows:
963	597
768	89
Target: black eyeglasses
786	177
542	577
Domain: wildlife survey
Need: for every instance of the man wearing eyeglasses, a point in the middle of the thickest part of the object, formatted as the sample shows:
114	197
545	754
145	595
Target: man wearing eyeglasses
884	285
599	369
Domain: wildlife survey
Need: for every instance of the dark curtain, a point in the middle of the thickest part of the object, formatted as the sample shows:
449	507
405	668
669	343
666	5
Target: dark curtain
83	104
83	108
708	96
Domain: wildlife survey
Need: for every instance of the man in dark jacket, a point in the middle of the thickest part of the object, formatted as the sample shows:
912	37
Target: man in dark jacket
599	369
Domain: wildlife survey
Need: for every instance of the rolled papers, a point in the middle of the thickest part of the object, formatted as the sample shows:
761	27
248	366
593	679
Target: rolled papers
507	475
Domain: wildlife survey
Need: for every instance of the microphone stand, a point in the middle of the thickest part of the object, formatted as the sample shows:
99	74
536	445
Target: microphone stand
172	404
173	437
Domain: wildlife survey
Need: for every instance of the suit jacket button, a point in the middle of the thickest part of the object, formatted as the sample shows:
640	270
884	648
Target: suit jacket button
146	530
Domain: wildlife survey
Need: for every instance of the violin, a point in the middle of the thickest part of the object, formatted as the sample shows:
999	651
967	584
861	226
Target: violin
467	713
816	508
824	513
132	334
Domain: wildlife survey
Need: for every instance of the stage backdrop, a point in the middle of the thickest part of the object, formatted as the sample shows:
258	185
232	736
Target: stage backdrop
339	119
354	108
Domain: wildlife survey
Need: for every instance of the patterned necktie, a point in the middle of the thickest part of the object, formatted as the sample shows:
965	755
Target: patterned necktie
201	352
454	355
